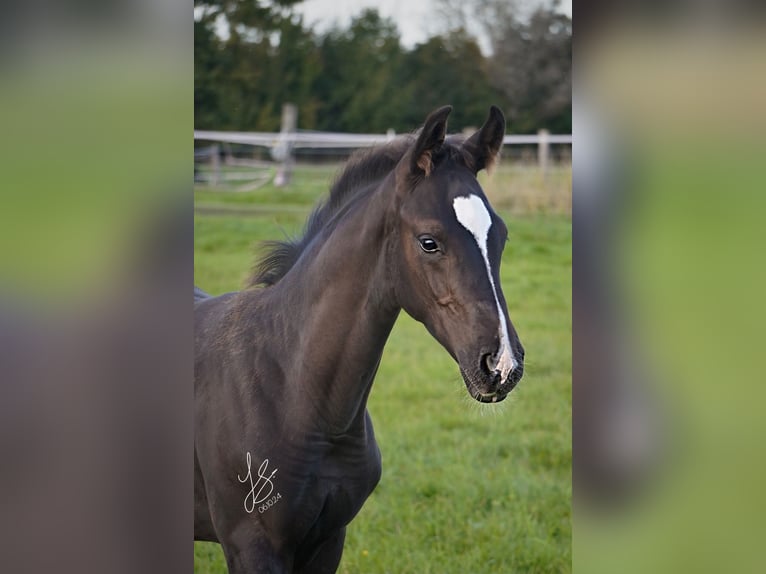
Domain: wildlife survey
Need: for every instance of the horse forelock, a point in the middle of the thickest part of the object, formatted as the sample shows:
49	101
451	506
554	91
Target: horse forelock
363	168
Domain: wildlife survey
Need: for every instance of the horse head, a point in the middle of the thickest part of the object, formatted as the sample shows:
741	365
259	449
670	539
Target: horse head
448	242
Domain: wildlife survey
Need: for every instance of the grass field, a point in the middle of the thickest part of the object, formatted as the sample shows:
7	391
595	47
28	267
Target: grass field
466	487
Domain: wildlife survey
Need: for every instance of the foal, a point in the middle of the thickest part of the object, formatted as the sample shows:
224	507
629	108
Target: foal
285	453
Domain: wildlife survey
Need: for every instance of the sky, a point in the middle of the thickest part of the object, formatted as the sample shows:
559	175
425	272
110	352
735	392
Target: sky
415	19
411	16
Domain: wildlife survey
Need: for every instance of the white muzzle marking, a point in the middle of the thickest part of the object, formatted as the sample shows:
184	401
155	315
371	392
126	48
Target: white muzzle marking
473	215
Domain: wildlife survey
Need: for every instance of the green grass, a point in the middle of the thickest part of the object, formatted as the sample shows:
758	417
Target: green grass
465	487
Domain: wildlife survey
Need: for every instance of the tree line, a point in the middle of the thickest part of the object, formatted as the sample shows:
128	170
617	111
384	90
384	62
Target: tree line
251	56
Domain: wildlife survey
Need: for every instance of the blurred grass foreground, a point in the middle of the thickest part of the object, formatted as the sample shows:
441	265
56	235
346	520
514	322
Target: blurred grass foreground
465	487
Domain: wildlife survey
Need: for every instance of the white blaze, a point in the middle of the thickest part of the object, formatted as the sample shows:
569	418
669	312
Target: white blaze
473	215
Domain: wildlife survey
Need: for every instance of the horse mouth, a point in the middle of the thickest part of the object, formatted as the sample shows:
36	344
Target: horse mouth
490	398
487	390
496	396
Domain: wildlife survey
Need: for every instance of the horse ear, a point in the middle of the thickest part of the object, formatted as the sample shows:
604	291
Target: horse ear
484	145
430	139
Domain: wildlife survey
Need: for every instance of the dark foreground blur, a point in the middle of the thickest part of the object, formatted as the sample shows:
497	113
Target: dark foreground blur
95	260
668	282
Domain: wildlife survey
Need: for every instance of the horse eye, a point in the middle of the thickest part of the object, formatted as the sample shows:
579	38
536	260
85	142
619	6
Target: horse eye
428	244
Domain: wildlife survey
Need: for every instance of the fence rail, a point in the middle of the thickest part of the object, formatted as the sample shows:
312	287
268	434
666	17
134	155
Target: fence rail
330	140
281	146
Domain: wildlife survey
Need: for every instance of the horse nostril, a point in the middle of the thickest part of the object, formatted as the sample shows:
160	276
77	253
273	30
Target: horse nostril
490	363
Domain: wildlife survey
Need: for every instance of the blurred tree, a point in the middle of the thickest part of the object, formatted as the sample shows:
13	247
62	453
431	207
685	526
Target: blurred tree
357	89
291	68
447	69
531	57
532	64
370	83
206	92
250	57
251	19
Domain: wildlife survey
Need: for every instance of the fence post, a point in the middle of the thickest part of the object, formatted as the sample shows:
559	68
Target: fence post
289	121
543	148
215	163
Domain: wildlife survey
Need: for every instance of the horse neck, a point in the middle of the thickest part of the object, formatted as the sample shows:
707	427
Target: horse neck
342	308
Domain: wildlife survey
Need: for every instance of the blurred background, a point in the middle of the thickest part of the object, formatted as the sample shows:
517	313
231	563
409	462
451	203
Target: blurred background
668	208
309	82
351	68
96	111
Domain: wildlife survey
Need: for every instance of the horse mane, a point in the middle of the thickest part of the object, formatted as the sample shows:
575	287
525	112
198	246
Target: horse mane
364	167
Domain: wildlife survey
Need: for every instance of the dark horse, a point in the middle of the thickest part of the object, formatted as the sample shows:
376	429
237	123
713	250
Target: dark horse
285	453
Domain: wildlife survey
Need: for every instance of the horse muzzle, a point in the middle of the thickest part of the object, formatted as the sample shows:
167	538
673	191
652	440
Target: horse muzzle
485	383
